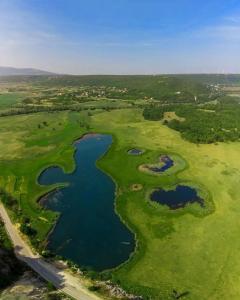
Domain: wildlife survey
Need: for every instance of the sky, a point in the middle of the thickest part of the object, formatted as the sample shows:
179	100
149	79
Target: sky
121	36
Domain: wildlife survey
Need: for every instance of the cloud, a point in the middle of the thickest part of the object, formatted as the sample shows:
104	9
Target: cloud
227	30
20	27
233	19
29	37
224	32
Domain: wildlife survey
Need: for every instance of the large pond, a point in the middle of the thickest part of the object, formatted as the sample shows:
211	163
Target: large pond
89	232
177	198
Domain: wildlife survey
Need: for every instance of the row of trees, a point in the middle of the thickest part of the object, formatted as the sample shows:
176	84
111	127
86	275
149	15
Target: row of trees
31	110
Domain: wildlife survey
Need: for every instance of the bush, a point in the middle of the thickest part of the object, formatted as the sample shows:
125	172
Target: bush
94	288
28	230
55	296
50	287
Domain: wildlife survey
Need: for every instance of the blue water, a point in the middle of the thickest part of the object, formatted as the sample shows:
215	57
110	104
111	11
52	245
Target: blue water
177	198
89	232
168	163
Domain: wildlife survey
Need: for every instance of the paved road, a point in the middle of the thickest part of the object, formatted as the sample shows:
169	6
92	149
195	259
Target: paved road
62	280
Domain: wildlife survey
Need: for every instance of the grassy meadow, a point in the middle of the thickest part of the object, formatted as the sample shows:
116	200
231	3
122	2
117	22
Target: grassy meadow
192	251
9	99
189	253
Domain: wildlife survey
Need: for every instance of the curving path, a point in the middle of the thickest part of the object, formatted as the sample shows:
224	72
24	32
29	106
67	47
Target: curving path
62	280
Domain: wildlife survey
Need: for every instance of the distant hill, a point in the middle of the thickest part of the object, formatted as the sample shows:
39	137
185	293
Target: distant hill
9	71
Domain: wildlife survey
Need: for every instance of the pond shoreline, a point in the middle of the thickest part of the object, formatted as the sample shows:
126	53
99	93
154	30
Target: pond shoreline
125	244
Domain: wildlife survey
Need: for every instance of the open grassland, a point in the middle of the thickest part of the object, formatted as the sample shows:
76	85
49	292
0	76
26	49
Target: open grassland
194	251
9	99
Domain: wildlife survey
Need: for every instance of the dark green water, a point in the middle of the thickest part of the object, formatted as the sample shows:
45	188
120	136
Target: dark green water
89	232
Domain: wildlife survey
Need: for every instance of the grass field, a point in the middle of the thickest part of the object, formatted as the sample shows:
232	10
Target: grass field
9	99
193	251
196	254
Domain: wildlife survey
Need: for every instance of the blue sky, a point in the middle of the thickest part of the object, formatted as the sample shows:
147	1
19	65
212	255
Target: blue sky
121	36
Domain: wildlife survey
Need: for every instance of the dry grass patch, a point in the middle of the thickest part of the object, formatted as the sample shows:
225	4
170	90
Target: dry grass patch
136	187
171	115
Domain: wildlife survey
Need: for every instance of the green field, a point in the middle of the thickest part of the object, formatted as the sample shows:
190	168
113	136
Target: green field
9	99
193	251
185	250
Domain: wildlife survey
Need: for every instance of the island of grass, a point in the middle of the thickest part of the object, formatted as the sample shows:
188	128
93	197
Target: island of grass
167	164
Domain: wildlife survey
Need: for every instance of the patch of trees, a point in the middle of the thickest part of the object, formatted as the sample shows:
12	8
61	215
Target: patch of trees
44	123
154	113
26	227
8	200
205	124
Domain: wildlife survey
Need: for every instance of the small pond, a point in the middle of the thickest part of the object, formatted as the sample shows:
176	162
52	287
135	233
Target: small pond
166	160
88	232
177	198
135	151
